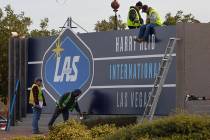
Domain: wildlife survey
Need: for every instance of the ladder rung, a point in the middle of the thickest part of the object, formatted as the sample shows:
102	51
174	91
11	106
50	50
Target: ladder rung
168	47
167	55
156	82
155	86
153	96
174	38
165	59
158	77
164	67
150	105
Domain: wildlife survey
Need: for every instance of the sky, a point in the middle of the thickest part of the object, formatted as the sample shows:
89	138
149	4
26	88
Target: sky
88	12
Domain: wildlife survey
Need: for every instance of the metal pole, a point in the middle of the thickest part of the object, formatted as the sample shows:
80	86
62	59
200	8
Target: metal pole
116	26
22	80
17	70
12	104
79	26
11	74
26	41
68	22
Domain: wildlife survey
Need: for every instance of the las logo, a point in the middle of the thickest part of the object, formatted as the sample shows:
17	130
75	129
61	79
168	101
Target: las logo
67	65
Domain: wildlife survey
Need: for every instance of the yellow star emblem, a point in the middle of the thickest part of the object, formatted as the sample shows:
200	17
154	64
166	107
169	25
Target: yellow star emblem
58	49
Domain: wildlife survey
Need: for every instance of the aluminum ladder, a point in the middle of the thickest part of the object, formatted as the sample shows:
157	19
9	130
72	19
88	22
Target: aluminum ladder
159	80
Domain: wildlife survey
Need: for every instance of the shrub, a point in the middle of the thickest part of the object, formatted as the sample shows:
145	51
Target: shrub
73	129
118	121
103	130
70	130
172	128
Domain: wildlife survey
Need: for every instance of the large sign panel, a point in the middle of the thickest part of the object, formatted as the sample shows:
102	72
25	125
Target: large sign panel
115	73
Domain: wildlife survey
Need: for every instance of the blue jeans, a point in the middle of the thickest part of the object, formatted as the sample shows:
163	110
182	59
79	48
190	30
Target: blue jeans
36	117
146	30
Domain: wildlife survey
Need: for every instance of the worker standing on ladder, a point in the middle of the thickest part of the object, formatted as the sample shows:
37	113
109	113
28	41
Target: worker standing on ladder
134	18
38	101
153	19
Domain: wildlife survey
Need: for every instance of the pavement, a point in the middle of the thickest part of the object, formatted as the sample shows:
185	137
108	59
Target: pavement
24	128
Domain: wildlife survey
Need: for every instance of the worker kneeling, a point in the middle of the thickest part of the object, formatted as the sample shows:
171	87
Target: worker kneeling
67	102
153	19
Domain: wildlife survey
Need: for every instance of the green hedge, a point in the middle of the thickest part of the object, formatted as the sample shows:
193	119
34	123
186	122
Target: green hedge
178	127
118	121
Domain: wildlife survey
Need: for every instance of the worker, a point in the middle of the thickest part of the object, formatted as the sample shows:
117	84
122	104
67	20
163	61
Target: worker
37	100
66	103
134	19
152	20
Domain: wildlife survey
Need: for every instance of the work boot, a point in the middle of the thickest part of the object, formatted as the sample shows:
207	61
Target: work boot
37	132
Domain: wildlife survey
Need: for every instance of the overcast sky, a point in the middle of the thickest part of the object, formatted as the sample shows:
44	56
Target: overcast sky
88	12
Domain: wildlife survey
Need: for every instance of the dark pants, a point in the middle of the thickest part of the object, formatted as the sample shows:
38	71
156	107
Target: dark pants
65	113
146	30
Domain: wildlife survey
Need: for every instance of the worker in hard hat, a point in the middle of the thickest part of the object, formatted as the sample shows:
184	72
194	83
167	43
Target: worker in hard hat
134	19
153	19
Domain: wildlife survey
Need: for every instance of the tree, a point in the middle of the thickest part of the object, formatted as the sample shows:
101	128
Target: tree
109	25
180	17
9	22
170	20
43	32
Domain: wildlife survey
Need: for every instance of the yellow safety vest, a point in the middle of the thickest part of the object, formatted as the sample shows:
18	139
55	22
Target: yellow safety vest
31	97
158	20
132	23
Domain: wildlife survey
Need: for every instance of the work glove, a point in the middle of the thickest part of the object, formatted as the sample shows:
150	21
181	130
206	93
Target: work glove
81	117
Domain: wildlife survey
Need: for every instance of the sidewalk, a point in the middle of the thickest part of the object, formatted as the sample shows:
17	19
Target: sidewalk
24	128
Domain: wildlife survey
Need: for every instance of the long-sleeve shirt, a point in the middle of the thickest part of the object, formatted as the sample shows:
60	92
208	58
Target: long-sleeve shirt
67	101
